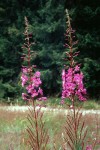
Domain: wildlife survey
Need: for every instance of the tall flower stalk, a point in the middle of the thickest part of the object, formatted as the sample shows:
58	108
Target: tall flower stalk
31	82
72	88
30	79
72	77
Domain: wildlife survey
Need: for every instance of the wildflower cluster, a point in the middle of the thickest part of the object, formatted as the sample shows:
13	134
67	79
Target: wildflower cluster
32	85
30	80
72	83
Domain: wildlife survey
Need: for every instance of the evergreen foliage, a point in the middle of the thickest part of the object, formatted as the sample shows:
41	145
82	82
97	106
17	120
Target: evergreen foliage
47	24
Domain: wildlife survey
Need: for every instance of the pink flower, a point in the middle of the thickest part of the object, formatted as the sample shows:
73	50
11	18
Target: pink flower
29	88
24	70
34	94
63	73
63	78
89	147
24	79
42	98
32	87
40	91
77	68
62	101
72	83
24	96
35	81
37	74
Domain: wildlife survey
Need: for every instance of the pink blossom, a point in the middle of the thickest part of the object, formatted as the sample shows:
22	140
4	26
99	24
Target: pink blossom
89	147
62	101
35	81
32	85
34	93
42	98
37	74
29	88
40	91
24	96
24	79
77	68
72	83
63	73
24	70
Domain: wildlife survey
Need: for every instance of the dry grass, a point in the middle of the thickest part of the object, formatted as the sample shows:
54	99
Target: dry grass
13	129
93	122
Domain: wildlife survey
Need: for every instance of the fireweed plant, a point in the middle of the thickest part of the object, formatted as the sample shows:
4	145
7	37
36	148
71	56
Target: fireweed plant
31	82
73	88
74	136
72	77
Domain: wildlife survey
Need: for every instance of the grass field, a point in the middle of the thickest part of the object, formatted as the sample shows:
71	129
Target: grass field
13	129
55	103
89	104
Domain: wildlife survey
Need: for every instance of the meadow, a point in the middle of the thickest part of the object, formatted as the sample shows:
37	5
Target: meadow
55	128
13	124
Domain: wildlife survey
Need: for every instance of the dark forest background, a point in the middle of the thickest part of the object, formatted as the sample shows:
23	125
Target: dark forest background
48	24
